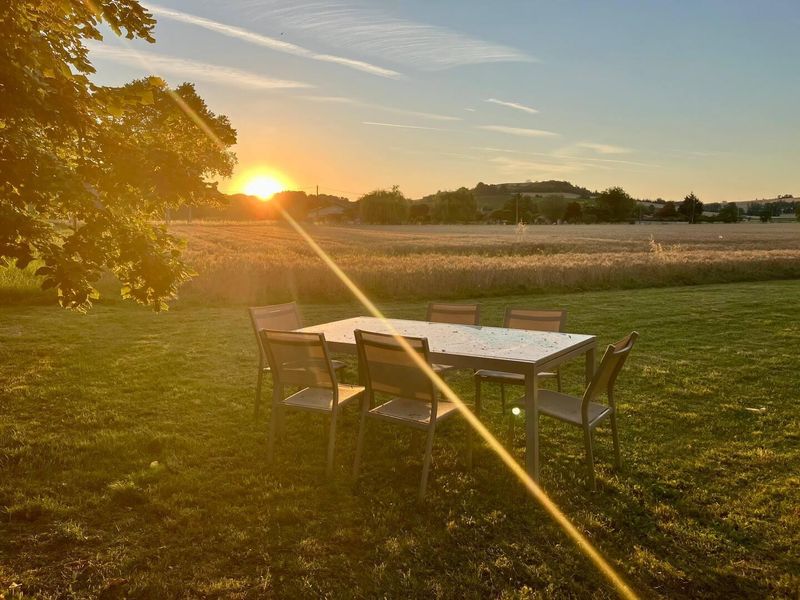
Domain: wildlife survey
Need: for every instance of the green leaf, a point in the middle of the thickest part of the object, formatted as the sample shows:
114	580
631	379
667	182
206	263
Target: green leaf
65	70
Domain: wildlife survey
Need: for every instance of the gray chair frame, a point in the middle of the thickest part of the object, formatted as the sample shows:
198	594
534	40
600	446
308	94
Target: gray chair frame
585	412
412	390
532	320
283	317
320	391
455	314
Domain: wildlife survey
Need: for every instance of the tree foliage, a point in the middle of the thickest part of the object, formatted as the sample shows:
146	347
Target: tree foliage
456	206
419	212
553	208
83	168
691	208
668	211
573	213
520	208
729	213
615	204
387	207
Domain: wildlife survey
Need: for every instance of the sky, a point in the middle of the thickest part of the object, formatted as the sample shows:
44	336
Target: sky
661	98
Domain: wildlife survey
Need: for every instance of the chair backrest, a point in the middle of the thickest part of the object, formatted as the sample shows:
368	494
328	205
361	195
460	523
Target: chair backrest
276	316
390	369
535	320
284	317
298	358
611	364
457	314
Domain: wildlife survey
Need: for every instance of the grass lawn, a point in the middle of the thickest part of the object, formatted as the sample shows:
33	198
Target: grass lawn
131	465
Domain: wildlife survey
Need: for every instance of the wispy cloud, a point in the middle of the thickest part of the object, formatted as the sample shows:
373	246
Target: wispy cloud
268	42
436	153
160	64
612	161
521	131
513	165
604	148
514	105
469	109
399	126
389	109
332	99
564	154
370	31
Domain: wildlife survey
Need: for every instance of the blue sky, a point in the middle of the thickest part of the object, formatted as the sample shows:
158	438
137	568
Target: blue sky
661	98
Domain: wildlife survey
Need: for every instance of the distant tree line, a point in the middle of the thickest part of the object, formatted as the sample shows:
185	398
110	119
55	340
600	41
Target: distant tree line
392	207
459	206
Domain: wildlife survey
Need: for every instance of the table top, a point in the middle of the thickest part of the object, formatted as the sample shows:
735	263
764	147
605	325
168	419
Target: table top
470	346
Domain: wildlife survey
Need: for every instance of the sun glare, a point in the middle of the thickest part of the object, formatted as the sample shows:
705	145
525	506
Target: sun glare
263	186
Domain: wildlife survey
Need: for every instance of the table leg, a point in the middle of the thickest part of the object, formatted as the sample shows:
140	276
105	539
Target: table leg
590	362
532	425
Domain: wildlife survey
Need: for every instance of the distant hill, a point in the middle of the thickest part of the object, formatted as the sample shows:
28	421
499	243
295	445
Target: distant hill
745	204
491	196
542	188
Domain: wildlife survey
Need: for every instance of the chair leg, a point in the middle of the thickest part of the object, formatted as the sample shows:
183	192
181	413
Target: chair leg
257	405
426	463
331	444
503	397
478	398
362	425
615	434
587	438
274	416
470	433
470	442
558	378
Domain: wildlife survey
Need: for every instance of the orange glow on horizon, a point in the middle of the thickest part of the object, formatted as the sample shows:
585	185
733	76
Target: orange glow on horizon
261	183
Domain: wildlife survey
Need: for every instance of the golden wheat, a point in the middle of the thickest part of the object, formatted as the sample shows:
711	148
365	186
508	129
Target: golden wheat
259	263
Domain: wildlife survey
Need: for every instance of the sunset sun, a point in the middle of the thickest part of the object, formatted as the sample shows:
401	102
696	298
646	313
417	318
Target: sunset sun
263	186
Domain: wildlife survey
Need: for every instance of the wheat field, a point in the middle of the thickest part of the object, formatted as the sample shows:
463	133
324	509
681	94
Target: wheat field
269	262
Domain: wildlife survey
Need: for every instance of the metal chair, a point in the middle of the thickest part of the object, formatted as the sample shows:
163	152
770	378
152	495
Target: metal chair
457	314
531	320
388	369
586	412
284	317
301	360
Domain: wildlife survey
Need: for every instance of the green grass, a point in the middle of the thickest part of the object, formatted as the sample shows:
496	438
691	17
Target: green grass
23	286
131	465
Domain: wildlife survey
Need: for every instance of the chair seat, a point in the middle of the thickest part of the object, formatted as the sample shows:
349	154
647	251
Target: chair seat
412	412
337	365
508	378
568	408
321	399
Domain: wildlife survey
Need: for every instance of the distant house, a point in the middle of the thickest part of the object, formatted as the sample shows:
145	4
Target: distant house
331	213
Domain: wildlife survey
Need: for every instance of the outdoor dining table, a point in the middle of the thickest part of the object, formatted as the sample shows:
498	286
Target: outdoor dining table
478	347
